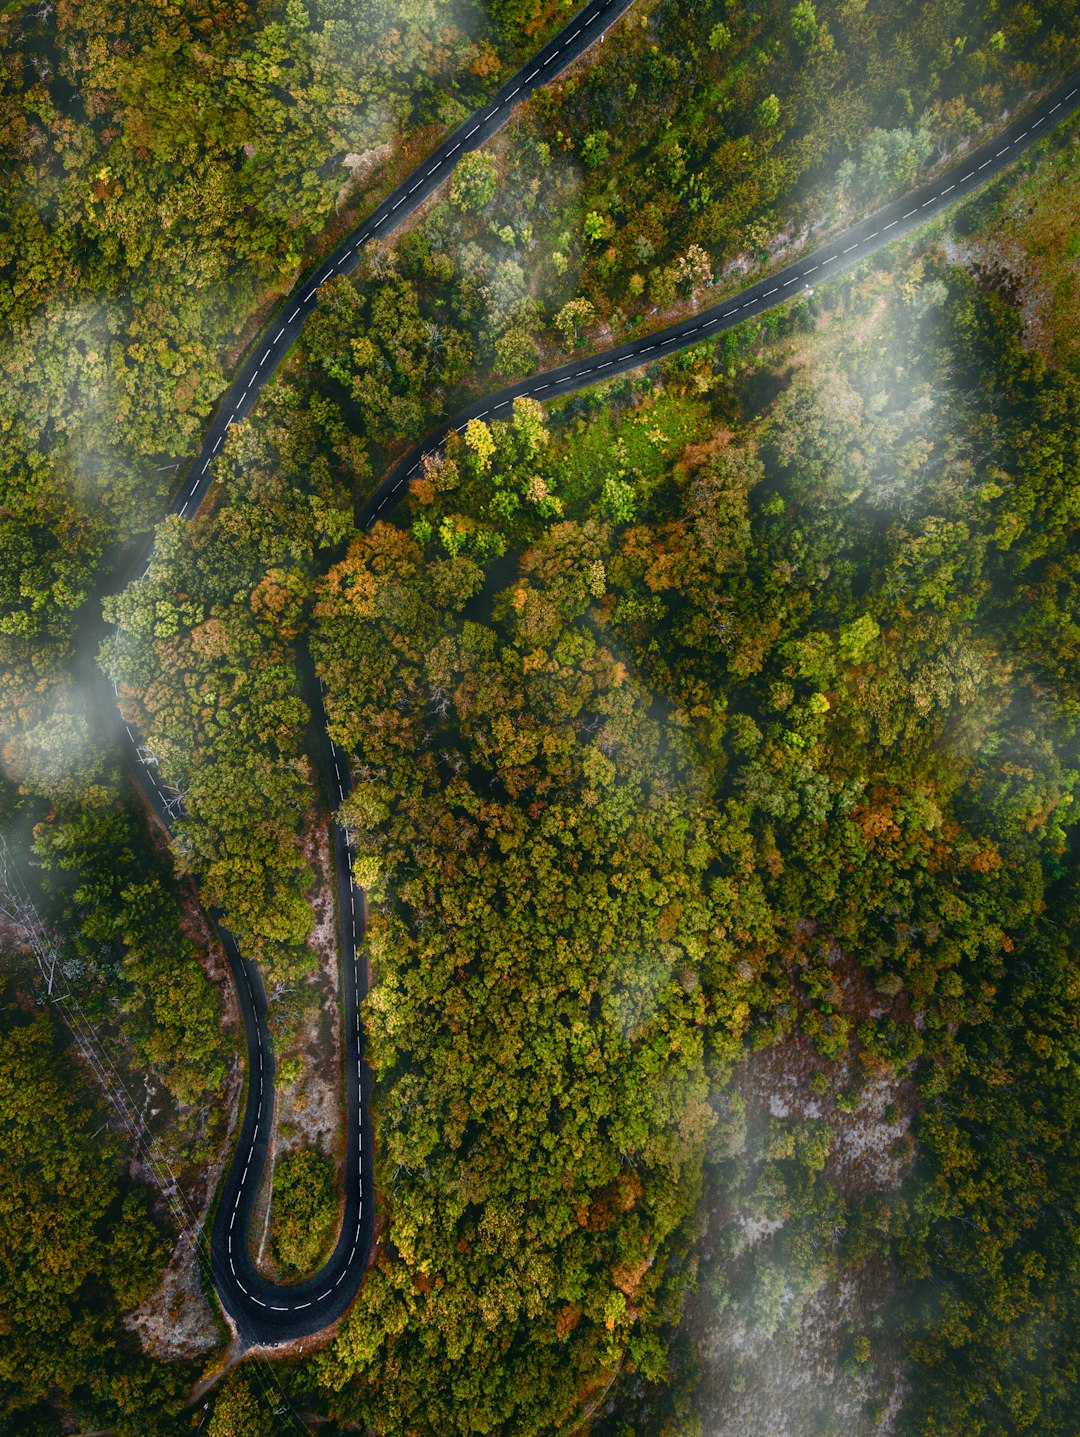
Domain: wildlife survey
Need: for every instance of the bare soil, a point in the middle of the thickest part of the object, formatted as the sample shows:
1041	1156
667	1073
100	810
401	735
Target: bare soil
176	1321
1029	252
801	1376
309	1112
815	1355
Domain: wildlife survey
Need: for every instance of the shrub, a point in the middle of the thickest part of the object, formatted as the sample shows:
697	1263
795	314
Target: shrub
475	182
304	1210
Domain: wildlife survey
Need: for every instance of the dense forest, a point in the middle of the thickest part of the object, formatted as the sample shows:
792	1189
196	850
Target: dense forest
712	713
715	138
693	151
659	726
70	1268
167	173
417	329
168	178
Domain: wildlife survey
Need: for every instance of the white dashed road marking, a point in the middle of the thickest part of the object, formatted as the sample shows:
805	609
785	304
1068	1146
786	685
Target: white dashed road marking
597	364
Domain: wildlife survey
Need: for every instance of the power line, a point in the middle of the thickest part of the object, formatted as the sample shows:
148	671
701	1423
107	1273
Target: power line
19	908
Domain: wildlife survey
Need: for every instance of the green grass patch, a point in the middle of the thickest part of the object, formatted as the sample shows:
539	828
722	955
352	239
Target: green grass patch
636	442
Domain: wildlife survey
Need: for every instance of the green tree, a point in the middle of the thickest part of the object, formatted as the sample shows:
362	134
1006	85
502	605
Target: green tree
475	181
769	111
238	1410
69	1217
594	149
515	352
572	318
303	1211
804	23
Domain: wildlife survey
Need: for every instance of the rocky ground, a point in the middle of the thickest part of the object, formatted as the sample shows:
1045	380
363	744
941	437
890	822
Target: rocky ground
309	1088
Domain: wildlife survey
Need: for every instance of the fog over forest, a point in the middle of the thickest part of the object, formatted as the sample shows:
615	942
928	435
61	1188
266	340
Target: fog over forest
678	770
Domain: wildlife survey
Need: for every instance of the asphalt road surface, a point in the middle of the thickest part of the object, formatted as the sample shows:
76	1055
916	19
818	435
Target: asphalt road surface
587	26
845	250
266	1313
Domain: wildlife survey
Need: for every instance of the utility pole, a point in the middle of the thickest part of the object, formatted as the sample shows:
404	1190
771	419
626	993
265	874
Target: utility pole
18	908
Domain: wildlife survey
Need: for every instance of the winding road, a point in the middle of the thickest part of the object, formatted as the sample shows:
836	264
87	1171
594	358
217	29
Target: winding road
840	253
587	26
266	1313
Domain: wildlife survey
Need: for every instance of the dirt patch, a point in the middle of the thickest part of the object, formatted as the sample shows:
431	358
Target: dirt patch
1029	251
802	1376
360	168
867	1103
309	1098
176	1322
869	1117
789	1331
790	1347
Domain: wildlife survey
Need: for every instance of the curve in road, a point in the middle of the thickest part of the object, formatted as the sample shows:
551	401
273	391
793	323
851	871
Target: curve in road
265	1312
842	252
587	26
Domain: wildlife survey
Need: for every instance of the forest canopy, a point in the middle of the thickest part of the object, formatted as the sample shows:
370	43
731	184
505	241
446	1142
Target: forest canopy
716	715
640	776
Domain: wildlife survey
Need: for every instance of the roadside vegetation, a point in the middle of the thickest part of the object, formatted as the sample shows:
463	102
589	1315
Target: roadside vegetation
166	174
168	177
732	130
728	708
1022	235
205	662
304	1213
700	145
721	717
467	295
80	1248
